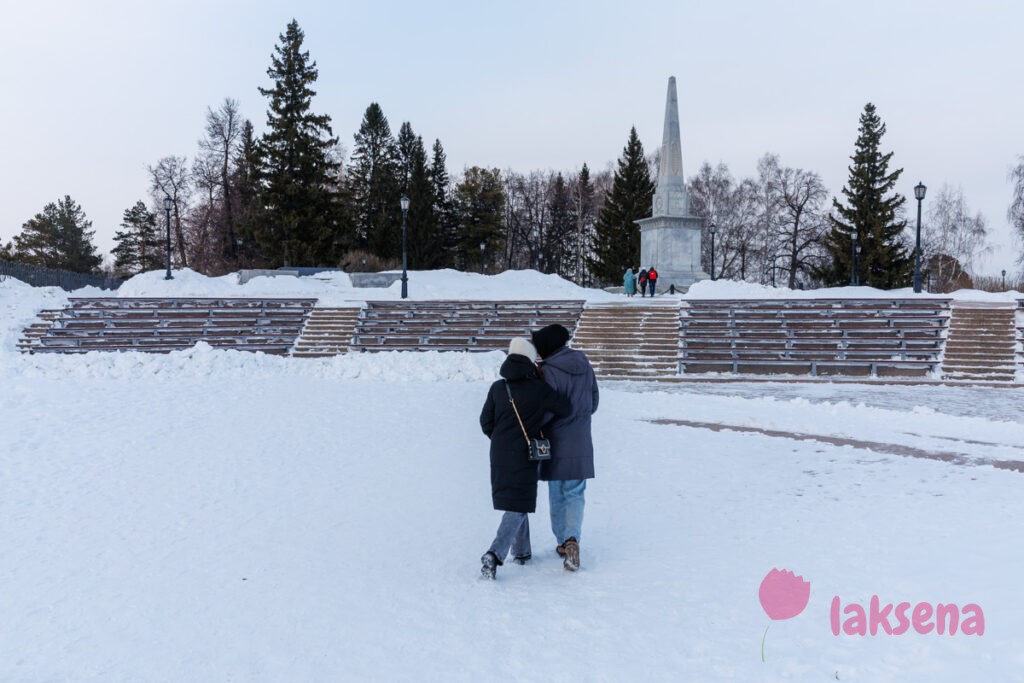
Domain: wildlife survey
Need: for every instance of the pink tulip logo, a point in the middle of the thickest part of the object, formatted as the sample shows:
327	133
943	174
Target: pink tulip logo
783	596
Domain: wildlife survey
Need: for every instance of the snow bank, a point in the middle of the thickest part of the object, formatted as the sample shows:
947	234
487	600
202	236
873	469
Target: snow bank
335	288
732	289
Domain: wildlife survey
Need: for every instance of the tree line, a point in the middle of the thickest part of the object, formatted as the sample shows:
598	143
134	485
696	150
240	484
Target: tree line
293	197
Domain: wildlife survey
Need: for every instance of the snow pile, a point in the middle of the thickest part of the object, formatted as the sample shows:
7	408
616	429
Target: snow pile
733	289
335	288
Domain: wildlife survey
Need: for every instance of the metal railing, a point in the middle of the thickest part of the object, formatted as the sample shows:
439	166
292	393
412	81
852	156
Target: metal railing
51	277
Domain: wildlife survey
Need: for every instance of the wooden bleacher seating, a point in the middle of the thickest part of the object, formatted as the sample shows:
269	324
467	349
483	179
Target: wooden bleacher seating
160	325
813	336
456	325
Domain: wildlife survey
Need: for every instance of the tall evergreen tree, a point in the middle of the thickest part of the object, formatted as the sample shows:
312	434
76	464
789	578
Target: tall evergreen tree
376	184
137	247
59	237
444	212
583	224
617	237
426	236
302	220
244	184
557	256
871	216
480	202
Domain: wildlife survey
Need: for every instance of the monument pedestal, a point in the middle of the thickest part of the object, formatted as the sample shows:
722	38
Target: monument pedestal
672	245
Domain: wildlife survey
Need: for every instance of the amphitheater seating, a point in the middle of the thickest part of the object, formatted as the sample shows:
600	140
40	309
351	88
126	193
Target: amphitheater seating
456	325
160	325
881	337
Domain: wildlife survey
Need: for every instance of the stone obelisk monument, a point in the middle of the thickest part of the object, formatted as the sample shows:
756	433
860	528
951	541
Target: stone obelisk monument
670	238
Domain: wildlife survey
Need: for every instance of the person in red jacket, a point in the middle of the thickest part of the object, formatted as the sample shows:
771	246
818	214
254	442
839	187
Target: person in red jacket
652	278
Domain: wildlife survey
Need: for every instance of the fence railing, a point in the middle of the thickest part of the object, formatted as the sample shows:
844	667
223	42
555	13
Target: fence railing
51	277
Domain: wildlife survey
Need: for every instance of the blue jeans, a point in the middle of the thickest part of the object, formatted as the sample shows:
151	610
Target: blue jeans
514	533
566	501
651	284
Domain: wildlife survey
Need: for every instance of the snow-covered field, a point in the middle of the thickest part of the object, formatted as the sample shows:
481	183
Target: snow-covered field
215	515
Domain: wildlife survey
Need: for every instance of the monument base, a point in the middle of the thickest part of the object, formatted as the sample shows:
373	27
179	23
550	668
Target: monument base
672	245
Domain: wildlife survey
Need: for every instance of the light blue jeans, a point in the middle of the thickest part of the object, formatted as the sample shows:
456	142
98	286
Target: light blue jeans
566	502
514	533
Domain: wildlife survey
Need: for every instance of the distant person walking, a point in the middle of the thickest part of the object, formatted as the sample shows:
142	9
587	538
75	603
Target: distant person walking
513	474
629	282
652	279
572	446
642	280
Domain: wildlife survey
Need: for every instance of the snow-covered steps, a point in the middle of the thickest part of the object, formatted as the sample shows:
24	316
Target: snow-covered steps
160	325
630	341
982	344
328	332
31	334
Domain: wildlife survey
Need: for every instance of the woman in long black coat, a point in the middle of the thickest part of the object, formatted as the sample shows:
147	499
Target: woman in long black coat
513	474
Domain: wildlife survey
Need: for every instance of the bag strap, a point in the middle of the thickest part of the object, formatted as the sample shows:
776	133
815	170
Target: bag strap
516	411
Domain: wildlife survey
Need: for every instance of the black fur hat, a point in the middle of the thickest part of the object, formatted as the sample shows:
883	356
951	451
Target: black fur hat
549	339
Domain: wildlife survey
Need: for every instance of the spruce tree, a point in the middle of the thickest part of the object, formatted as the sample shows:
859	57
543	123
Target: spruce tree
59	237
559	240
137	247
375	183
245	185
871	216
444	212
480	202
302	220
583	225
426	236
617	237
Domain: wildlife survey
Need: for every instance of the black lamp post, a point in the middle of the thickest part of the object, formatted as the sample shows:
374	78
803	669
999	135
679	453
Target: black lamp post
167	209
853	259
1004	280
483	267
712	229
405	278
919	191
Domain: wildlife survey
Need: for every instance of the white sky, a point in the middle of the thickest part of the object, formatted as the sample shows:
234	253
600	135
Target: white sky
93	92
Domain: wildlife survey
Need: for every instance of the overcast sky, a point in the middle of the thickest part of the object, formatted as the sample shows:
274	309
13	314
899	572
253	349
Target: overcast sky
93	92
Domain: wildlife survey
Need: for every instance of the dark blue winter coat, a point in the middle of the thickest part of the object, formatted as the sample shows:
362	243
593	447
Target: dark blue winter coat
513	474
572	447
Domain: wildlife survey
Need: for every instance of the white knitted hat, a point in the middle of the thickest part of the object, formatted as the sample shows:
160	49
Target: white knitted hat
523	347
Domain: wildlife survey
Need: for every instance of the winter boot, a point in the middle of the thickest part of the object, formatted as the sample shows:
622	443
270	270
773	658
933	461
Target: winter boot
522	559
489	565
560	549
572	555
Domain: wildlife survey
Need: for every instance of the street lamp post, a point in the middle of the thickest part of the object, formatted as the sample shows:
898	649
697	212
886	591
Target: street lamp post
167	209
405	277
1004	280
712	229
919	191
483	268
853	259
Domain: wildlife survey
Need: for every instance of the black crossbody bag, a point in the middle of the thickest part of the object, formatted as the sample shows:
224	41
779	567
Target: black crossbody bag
536	449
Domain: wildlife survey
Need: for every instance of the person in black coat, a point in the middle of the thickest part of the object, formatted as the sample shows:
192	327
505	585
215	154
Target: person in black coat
513	474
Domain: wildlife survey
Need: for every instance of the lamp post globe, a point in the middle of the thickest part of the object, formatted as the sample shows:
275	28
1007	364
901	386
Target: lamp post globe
919	191
404	201
712	229
168	205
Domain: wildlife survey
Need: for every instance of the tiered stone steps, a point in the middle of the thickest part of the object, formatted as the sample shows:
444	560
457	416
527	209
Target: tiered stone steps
630	342
456	325
328	332
161	325
30	335
982	344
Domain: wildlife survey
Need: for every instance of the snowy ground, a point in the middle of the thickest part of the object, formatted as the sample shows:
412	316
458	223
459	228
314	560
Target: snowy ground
214	515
